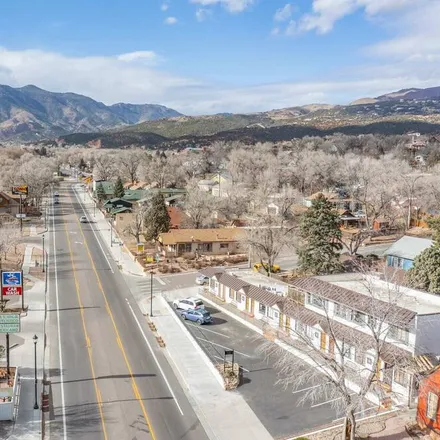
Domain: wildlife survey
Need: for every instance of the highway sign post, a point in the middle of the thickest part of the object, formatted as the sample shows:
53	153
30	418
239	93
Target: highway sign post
22	190
12	285
9	323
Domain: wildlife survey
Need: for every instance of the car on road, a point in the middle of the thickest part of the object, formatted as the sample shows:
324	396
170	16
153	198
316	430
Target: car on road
83	219
202	280
200	316
56	202
188	303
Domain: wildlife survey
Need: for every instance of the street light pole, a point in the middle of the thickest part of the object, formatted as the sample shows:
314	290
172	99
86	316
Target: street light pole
111	232
43	253
151	293
35	370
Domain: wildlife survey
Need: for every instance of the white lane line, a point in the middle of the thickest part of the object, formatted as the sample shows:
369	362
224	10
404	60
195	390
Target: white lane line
160	280
63	404
154	356
222	346
210	331
306	389
93	230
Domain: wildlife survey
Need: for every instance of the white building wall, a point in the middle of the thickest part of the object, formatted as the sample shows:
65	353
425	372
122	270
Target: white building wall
427	334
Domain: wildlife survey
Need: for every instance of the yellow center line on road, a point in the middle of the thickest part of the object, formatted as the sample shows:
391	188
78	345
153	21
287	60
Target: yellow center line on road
86	335
118	337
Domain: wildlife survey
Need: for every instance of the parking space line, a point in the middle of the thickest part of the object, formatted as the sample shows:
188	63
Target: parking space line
306	389
222	346
325	403
211	331
359	412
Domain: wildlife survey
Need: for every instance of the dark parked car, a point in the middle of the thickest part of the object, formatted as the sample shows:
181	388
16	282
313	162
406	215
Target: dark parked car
200	316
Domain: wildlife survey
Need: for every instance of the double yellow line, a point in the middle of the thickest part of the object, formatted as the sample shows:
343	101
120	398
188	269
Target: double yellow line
118	338
86	335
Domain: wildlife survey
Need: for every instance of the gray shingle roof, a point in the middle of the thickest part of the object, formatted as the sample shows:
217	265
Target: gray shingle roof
408	247
355	300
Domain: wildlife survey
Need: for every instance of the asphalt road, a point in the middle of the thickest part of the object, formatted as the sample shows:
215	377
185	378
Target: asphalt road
107	371
280	409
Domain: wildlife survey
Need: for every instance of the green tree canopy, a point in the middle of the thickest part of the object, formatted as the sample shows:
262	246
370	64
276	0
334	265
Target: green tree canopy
157	219
100	192
119	188
321	236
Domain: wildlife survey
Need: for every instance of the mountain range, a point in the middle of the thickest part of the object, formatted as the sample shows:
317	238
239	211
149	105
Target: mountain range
30	113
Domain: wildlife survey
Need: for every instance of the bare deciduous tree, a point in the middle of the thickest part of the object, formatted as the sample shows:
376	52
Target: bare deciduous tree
136	225
130	161
198	206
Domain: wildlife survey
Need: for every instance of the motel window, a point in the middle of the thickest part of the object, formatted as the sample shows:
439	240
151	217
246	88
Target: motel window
276	315
432	406
231	293
401	377
224	245
348	351
212	283
205	247
316	301
262	309
300	327
243	298
399	334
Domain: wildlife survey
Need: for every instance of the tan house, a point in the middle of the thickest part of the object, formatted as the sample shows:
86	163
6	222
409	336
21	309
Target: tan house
10	203
201	241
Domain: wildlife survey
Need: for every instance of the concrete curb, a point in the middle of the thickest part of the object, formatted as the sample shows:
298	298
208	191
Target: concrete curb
205	357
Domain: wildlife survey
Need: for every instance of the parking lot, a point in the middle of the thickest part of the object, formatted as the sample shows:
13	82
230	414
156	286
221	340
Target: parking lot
278	409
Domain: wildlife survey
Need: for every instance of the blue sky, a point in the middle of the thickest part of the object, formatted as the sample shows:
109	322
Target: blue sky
208	56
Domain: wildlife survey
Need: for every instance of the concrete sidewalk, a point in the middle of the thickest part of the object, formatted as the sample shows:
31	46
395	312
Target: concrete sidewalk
27	424
117	251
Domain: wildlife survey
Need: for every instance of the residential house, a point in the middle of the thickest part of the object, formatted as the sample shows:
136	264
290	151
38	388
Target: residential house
206	185
222	184
109	188
428	411
10	203
118	203
307	305
200	241
339	199
171	195
403	252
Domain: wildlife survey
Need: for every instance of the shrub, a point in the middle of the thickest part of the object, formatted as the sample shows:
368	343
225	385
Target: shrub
175	270
188	256
164	268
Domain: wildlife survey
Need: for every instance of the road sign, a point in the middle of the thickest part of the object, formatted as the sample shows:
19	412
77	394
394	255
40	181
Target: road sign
22	189
140	247
20	215
12	283
9	322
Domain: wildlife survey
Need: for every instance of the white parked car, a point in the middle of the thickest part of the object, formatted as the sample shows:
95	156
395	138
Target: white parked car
188	303
83	219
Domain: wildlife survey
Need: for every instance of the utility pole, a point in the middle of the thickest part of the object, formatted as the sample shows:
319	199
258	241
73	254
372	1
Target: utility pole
43	252
151	293
35	338
21	213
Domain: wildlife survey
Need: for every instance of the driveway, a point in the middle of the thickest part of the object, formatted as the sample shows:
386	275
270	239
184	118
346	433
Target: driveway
279	409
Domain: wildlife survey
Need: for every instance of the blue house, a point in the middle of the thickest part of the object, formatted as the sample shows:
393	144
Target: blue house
403	252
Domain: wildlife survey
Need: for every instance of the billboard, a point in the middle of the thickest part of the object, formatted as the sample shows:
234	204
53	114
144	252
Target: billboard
9	322
12	283
20	190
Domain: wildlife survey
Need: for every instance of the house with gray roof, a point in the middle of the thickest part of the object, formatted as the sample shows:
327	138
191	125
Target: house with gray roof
403	252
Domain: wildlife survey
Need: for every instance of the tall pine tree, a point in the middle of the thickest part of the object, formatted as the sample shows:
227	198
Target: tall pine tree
119	192
157	219
425	274
320	233
100	192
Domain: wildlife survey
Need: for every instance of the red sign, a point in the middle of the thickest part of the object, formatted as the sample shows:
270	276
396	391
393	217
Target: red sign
12	290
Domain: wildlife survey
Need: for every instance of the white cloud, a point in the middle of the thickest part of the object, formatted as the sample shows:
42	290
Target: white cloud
275	31
325	13
142	55
164	7
231	5
202	14
122	78
170	20
284	13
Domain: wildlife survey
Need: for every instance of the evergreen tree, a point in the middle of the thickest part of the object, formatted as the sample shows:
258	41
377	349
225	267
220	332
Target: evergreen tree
119	192
82	164
321	236
100	192
425	274
157	219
